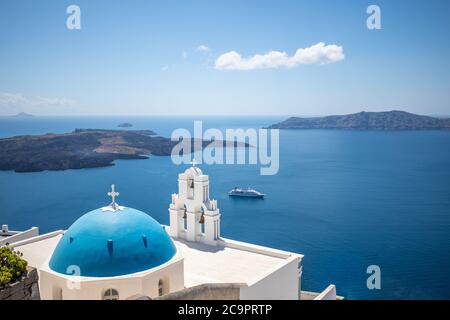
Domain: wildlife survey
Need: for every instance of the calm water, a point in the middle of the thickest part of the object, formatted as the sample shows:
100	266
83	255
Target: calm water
345	199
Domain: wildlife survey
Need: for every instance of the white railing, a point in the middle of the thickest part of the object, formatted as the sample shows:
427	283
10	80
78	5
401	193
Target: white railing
16	236
38	238
327	294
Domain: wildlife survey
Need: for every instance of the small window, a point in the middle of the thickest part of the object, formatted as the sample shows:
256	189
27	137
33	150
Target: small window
160	288
111	294
57	293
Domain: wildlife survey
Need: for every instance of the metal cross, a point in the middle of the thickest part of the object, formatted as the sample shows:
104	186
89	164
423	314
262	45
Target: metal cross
193	162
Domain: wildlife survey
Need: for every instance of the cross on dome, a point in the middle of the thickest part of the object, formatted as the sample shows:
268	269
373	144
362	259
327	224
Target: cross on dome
113	194
193	162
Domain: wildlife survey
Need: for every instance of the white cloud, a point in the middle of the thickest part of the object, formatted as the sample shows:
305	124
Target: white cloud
54	102
18	100
184	54
165	68
11	99
202	48
316	54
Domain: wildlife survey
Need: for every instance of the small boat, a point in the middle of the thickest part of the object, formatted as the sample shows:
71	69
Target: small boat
248	193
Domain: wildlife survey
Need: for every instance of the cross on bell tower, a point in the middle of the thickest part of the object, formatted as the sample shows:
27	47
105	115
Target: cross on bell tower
193	162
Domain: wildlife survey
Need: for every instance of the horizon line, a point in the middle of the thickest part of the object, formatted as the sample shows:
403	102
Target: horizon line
30	115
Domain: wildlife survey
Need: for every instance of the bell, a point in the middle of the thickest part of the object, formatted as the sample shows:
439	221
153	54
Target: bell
184	215
202	219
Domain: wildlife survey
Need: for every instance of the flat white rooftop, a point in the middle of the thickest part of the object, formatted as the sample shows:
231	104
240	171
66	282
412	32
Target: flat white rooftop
224	264
232	262
37	250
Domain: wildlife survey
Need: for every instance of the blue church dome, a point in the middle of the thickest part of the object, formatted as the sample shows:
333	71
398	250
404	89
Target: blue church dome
106	243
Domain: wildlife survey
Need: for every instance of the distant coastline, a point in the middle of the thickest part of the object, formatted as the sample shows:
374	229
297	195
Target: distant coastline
389	120
22	115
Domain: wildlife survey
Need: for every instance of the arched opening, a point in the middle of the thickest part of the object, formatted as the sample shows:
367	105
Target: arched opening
163	286
191	189
185	219
202	221
111	294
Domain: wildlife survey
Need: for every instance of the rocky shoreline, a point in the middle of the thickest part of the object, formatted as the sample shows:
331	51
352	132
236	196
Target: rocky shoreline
82	148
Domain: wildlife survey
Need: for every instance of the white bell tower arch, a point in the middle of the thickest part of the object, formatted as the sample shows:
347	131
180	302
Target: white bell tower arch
193	215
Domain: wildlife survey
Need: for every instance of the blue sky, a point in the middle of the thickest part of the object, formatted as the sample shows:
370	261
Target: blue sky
143	57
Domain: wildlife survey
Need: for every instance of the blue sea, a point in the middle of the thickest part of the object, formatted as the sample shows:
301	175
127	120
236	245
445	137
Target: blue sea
344	199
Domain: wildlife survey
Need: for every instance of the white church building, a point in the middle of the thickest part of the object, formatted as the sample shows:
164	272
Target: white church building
116	252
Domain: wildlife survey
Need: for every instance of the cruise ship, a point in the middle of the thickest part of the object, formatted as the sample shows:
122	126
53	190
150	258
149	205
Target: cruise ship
249	193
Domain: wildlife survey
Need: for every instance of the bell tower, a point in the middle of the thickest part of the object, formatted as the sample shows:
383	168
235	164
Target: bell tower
193	215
